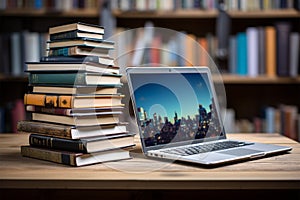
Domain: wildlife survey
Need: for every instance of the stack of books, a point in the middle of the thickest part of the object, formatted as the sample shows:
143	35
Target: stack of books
74	100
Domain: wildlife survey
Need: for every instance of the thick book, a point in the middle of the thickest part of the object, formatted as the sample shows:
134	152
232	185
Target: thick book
261	51
74	159
77	26
87	145
77	120
70	132
79	51
68	66
81	42
74	112
107	89
79	78
283	48
75	34
294	54
73	101
83	59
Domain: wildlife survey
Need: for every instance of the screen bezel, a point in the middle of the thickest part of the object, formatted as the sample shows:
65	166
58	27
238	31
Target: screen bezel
172	70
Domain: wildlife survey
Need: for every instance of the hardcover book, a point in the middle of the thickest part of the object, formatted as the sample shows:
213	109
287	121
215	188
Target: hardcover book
70	132
79	50
81	42
75	34
79	78
77	120
87	145
68	66
107	89
83	59
74	159
77	26
73	101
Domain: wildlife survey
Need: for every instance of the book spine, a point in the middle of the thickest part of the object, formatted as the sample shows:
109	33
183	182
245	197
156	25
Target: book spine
282	40
42	128
57	78
57	143
63	35
53	156
294	54
270	39
242	54
55	111
71	51
252	51
49	101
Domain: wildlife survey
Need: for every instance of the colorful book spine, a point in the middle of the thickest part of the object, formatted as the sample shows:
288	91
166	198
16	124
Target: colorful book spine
49	100
252	51
270	51
242	54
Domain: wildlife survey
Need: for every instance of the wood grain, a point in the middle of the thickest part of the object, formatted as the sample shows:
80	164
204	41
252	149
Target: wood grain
277	172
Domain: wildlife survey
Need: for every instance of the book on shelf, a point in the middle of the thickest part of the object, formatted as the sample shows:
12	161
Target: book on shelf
79	51
73	101
77	111
294	54
81	42
85	145
252	51
68	66
270	51
77	89
75	34
92	28
79	78
96	59
77	120
242	67
74	159
282	51
70	132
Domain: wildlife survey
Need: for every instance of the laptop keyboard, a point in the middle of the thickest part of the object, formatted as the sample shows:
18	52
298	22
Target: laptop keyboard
203	148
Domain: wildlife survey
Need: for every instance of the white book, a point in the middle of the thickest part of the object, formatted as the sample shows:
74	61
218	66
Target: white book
31	47
252	51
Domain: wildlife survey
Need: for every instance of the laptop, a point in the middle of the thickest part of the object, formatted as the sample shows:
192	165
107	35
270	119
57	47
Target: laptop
178	116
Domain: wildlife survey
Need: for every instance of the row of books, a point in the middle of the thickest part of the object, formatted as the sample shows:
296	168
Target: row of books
169	5
74	102
271	50
284	119
50	5
18	47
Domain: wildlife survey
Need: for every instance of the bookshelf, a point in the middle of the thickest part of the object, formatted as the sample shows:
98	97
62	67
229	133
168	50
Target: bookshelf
30	19
258	91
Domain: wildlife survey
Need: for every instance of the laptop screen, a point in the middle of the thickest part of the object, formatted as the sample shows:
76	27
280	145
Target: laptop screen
174	107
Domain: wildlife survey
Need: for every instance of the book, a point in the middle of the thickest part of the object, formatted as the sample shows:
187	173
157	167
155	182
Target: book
76	66
294	54
81	42
282	51
102	60
73	101
261	51
77	111
91	28
79	78
252	51
242	54
232	55
79	50
75	34
77	120
69	132
270	39
86	145
74	159
77	89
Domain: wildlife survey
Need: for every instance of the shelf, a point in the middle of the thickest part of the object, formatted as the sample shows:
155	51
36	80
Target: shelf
178	14
13	78
50	13
235	79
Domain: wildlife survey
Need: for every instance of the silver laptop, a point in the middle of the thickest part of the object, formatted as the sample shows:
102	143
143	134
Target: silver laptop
178	116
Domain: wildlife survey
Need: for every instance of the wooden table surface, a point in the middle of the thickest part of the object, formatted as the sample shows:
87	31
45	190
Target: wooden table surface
278	172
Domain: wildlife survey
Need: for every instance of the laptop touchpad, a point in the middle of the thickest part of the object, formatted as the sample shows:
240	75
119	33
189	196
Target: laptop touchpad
240	152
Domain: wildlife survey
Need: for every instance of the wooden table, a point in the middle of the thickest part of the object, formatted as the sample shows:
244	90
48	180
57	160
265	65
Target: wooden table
142	178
